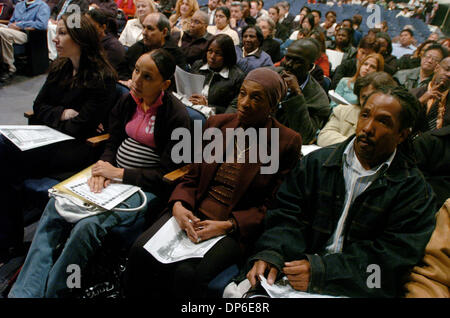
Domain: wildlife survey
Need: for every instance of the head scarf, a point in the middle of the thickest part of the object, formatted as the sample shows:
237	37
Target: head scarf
274	86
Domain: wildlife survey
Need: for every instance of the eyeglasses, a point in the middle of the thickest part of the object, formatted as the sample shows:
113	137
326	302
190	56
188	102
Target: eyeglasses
197	22
433	58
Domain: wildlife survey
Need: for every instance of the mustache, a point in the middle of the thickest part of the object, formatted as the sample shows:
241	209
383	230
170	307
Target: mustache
366	139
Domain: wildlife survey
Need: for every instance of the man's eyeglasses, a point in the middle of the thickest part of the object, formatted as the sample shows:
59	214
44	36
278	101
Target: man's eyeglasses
433	58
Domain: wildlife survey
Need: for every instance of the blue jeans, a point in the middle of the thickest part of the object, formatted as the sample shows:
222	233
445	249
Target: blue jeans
41	275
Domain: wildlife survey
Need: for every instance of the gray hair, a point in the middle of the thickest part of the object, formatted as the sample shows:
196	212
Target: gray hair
269	21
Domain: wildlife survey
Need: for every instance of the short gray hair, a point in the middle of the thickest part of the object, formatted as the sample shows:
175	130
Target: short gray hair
269	21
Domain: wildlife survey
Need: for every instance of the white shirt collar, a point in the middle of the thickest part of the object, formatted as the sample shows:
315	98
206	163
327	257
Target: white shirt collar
224	72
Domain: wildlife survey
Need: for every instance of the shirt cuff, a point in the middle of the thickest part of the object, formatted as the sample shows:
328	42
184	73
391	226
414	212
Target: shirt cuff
317	279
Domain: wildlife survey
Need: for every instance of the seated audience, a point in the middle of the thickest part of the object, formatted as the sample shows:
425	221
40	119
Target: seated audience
281	30
269	45
251	55
223	78
134	27
349	206
330	24
107	28
409	61
390	61
343	119
55	14
421	76
308	22
237	21
138	153
405	44
371	63
434	99
285	18
222	25
181	19
74	100
25	17
348	68
156	35
214	199
343	43
194	41
306	107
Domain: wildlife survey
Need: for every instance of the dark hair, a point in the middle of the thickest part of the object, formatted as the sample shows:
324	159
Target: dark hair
438	47
94	66
104	18
226	44
408	30
164	61
308	10
369	43
275	8
383	35
259	33
310	19
349	33
421	46
225	11
163	23
317	11
330	12
410	105
357	19
348	20
376	79
320	38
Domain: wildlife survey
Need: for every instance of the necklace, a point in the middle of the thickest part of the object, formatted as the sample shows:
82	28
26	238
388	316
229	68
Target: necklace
241	152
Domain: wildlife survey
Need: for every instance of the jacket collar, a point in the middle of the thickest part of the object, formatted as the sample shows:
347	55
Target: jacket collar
398	170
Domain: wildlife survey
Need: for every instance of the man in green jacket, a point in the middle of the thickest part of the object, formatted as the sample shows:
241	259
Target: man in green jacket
353	218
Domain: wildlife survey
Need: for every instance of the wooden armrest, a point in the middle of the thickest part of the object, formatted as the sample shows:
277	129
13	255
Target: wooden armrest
28	114
175	175
4	21
97	140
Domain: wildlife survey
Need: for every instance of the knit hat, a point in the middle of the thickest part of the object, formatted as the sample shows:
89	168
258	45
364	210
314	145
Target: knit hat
274	86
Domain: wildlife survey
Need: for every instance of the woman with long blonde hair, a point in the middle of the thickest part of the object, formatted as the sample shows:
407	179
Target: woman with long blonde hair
371	63
184	10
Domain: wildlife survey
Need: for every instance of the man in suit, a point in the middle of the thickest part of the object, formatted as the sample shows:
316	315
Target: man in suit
211	10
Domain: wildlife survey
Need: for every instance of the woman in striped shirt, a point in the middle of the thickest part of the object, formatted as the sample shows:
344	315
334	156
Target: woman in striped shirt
137	153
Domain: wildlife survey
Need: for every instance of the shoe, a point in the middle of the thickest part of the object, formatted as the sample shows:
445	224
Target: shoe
6	77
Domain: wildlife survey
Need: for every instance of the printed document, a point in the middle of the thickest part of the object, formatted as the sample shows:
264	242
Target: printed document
27	137
282	289
188	83
337	98
110	197
171	244
335	58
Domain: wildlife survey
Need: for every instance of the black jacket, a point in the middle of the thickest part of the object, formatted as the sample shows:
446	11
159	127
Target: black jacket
136	50
221	90
272	47
171	115
346	69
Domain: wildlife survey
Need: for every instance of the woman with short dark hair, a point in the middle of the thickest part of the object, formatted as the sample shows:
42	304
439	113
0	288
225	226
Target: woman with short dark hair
251	55
223	77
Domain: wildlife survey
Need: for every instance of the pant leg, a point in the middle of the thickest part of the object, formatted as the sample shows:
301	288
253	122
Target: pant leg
51	34
51	232
8	37
85	239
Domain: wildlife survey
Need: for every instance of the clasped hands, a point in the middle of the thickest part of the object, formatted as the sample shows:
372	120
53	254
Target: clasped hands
196	229
103	173
297	272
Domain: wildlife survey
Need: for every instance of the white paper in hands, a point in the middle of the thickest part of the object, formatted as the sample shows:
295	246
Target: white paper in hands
282	289
188	83
171	244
